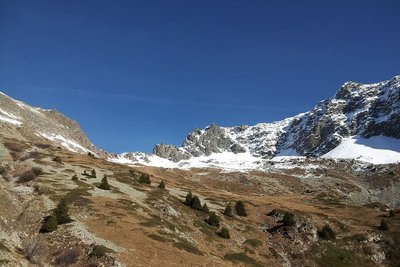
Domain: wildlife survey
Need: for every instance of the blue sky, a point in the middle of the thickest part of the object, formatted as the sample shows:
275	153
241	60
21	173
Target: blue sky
136	73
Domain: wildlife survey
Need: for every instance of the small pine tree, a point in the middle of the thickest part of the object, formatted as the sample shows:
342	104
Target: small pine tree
228	210
74	178
205	208
240	209
384	225
288	219
104	183
189	197
51	223
391	213
144	179
224	233
213	219
61	211
57	159
327	233
196	204
162	185
93	175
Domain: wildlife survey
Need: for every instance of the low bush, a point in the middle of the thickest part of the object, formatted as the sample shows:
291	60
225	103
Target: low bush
37	171
144	179
327	233
57	159
384	225
288	219
228	210
27	177
100	251
74	178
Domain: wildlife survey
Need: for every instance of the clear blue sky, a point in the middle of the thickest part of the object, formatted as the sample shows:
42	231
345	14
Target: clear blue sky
136	73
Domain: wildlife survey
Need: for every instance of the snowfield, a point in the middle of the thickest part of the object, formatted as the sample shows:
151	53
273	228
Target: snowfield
376	150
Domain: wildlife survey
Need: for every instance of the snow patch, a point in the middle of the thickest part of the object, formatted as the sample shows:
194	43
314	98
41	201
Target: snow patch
67	143
375	150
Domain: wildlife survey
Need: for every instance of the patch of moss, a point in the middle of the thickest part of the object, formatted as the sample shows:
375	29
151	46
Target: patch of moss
242	258
253	242
188	247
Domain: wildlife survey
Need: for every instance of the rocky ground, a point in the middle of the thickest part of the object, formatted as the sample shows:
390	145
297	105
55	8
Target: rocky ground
136	224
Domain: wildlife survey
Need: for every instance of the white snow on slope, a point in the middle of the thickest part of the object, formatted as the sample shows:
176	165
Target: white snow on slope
67	143
10	118
376	150
224	160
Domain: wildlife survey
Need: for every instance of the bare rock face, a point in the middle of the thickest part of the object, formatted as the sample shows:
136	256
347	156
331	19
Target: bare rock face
170	152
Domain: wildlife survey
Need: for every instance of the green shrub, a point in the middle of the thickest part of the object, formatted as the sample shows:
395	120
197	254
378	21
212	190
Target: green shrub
224	233
288	219
144	179
213	220
37	171
188	200
392	213
327	233
240	209
3	170
50	223
100	251
62	213
384	225
93	175
205	208
228	210
161	185
104	183
74	178
196	204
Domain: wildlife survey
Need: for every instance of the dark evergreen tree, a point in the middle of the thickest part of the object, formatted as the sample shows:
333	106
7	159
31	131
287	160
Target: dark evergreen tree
61	212
205	208
188	200
74	178
195	203
162	185
228	210
51	223
327	233
213	219
144	179
240	209
104	183
392	213
224	233
93	173
288	219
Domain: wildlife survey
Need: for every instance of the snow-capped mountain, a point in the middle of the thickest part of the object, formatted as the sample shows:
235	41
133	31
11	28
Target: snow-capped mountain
21	121
361	121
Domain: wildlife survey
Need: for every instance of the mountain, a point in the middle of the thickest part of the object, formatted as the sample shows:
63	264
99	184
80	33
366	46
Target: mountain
22	121
358	116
